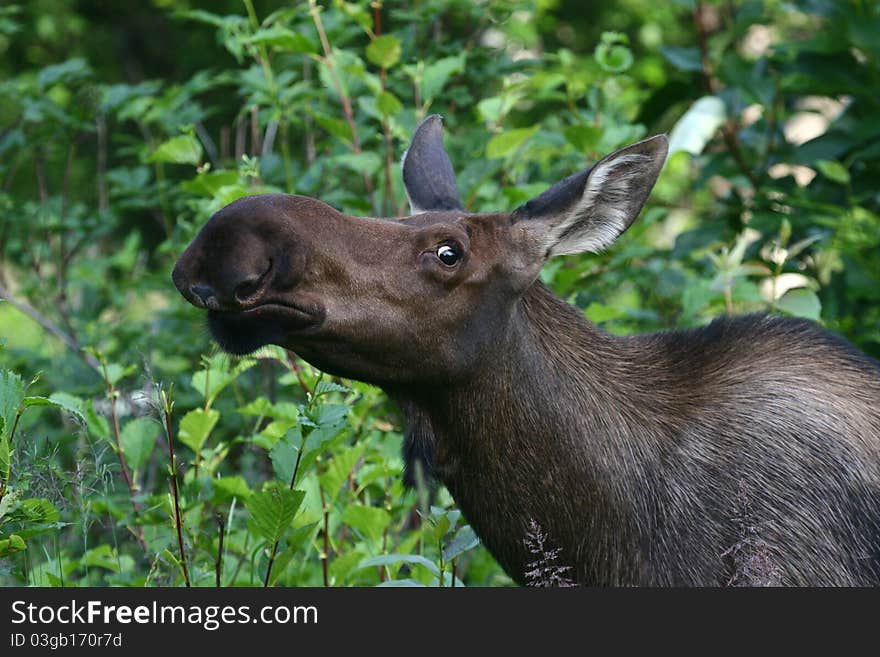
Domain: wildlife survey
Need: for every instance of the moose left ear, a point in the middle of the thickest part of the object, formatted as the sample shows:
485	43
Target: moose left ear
427	171
591	209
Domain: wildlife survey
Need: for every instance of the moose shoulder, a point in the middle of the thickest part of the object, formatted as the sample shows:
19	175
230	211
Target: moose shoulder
744	451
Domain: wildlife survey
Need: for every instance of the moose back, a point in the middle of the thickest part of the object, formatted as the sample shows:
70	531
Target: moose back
746	451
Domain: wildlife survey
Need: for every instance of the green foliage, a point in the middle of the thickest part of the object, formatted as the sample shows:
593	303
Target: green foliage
111	160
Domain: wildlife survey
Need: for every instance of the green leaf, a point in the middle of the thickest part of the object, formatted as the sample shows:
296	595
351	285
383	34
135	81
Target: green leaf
294	541
337	471
74	409
284	454
599	312
5	459
366	162
436	75
34	510
336	127
684	59
612	52
441	526
227	488
384	51
102	556
217	374
324	387
283	39
97	424
11	545
394	559
583	137
195	427
138	438
9	500
801	303
276	430
465	539
697	126
371	521
273	509
388	104
401	583
203	17
67	71
833	170
209	183
116	372
508	142
183	149
11	395
259	407
84	411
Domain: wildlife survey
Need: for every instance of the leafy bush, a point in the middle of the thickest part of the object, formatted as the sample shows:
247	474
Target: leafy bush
111	160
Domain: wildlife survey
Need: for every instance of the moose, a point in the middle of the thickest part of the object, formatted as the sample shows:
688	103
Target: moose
678	458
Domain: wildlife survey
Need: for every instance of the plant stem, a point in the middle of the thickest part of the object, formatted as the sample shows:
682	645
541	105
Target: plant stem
168	404
343	98
326	552
712	84
15	425
5	482
112	394
442	564
292	484
218	564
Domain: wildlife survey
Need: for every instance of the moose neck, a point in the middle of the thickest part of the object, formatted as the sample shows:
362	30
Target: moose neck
545	410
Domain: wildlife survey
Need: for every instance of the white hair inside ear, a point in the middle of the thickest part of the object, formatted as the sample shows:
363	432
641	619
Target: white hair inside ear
590	209
602	213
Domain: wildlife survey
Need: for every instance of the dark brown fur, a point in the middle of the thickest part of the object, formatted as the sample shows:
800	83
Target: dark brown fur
680	458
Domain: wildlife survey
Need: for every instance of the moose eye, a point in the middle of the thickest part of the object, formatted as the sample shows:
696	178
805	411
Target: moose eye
449	255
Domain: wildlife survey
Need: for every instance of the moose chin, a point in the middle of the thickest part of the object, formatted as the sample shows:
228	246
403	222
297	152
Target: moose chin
636	455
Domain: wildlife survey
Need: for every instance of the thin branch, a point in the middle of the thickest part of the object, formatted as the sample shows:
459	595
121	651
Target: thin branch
294	366
101	178
713	85
325	553
41	178
240	128
208	143
269	138
343	98
69	340
126	473
309	140
387	192
218	564
255	131
274	551
4	484
168	404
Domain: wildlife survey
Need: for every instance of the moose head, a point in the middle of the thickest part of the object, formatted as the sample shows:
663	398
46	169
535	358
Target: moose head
424	298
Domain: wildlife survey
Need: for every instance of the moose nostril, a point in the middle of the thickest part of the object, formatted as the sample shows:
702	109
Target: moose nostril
251	285
203	292
248	288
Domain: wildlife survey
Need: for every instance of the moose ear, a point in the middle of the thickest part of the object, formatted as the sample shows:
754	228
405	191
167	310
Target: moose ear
427	171
591	209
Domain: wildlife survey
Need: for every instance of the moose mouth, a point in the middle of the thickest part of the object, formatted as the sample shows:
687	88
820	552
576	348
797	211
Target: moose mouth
245	330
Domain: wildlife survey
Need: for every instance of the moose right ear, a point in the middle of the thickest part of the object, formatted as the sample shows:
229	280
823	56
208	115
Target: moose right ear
589	210
427	172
